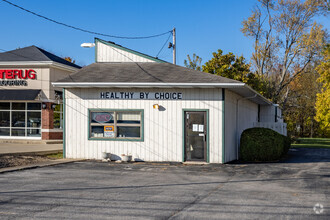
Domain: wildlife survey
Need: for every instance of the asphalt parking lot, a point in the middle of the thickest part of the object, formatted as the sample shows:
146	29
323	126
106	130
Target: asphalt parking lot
94	190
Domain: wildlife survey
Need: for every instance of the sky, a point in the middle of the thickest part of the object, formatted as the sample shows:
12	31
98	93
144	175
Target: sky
202	26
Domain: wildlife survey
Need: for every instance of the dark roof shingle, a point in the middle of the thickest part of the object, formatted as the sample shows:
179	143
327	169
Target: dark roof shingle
33	53
142	73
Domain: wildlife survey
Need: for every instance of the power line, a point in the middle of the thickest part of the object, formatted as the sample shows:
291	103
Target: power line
83	30
164	44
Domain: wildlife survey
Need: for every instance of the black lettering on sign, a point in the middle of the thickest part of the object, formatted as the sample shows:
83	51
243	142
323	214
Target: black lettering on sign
125	95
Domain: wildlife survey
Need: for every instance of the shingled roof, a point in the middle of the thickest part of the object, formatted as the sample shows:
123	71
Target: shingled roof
142	73
33	53
152	75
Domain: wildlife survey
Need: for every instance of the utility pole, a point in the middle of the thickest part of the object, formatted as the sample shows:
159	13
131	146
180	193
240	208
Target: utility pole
174	47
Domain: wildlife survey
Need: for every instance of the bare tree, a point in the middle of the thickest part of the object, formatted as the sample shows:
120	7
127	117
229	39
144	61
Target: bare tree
286	40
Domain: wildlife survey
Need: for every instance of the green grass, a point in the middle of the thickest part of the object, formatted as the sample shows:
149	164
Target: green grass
55	156
312	143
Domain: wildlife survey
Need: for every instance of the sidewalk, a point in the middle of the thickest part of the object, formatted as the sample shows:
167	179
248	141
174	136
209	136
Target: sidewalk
11	148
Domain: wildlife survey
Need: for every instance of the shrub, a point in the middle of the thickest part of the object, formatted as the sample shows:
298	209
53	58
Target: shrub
263	144
287	144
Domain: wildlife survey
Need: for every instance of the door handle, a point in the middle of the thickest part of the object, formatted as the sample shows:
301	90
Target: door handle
205	137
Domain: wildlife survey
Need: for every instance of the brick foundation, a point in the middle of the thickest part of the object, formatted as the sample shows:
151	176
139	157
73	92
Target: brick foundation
51	135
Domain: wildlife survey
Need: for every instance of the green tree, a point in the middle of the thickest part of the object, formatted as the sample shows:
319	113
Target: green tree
194	63
234	67
323	98
228	65
285	40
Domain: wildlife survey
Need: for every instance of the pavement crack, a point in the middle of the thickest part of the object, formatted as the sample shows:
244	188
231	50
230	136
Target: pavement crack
196	200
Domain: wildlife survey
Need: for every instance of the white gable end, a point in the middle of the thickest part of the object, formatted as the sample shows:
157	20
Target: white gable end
109	53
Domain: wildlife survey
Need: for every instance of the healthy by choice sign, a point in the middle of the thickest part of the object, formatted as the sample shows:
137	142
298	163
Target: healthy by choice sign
142	95
16	77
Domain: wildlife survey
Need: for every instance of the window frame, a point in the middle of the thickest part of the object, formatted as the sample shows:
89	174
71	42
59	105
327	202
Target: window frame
115	111
26	128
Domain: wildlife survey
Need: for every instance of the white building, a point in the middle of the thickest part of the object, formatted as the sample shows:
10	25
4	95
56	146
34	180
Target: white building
156	111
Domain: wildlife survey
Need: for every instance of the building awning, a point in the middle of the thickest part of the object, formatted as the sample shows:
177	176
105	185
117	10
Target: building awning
19	94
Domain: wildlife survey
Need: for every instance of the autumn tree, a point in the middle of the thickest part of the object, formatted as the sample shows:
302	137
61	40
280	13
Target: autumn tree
234	67
286	40
194	63
69	59
300	105
323	98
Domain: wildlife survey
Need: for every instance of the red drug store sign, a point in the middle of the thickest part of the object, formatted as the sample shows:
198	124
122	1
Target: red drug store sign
16	77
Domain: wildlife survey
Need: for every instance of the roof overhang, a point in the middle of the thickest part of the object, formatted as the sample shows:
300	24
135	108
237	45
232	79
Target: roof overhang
19	94
239	88
38	64
143	85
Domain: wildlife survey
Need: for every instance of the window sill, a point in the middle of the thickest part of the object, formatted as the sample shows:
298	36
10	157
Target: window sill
116	139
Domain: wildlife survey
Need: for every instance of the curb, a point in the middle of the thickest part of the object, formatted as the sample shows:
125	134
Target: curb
39	165
39	153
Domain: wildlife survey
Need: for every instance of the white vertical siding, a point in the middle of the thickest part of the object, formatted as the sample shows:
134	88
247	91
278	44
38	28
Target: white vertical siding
247	116
163	135
107	53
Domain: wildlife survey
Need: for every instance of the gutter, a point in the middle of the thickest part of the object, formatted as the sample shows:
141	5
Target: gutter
39	63
157	85
145	85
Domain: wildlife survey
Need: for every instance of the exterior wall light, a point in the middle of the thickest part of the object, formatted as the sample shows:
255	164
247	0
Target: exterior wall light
87	45
53	106
155	106
44	105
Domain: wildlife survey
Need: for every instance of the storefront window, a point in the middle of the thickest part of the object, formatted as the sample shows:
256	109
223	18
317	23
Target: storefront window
33	106
20	119
17	132
4	105
124	131
4	131
34	119
18	106
33	132
116	125
58	116
4	118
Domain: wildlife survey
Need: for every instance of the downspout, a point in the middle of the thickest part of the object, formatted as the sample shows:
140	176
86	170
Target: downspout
237	119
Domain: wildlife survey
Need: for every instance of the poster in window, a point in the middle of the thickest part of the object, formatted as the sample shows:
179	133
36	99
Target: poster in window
102	117
109	131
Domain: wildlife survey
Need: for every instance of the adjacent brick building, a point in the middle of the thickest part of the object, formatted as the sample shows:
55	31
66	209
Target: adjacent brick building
30	107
